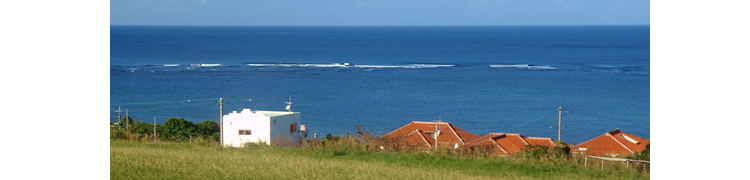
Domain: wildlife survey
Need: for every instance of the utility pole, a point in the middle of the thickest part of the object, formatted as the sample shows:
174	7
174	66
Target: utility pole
119	119
436	135
221	120
437	131
559	125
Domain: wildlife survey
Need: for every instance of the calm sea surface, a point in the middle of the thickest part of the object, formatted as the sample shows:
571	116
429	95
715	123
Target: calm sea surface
482	79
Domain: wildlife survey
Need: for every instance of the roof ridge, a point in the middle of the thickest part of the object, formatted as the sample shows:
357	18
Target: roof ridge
477	139
524	140
584	142
454	132
407	135
399	128
501	147
423	138
514	144
428	122
618	142
538	137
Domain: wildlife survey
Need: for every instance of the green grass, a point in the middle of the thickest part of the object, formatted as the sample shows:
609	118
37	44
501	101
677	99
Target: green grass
167	160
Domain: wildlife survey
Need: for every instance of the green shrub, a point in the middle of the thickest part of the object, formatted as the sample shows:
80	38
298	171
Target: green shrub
561	150
643	155
178	129
142	128
208	129
117	134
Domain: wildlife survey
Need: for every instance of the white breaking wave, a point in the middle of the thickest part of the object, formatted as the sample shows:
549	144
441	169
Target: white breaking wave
522	66
205	65
410	66
171	65
343	65
210	65
301	65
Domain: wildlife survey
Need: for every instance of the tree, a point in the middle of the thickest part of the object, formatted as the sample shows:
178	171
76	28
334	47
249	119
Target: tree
178	129
143	128
126	120
208	129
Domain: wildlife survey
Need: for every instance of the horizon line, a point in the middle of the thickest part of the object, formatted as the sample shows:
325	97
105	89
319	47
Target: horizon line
373	25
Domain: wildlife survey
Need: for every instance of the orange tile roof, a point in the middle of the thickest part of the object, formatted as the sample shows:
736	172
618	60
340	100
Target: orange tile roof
417	138
612	142
540	141
421	133
449	135
509	144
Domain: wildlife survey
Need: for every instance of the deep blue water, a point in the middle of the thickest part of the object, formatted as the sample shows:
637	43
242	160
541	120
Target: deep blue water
396	75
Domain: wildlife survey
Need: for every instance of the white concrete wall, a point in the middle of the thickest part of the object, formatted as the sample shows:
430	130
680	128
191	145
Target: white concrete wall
263	128
280	126
256	122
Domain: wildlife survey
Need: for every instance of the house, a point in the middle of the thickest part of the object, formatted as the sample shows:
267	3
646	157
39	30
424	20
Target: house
261	127
612	143
425	134
508	143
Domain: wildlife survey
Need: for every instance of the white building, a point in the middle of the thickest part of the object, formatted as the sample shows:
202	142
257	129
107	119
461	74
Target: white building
261	127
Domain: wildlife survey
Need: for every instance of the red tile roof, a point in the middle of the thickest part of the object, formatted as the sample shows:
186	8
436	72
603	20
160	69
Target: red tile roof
421	134
449	135
509	144
613	142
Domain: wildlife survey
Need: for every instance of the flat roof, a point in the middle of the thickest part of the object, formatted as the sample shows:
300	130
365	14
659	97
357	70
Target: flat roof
275	113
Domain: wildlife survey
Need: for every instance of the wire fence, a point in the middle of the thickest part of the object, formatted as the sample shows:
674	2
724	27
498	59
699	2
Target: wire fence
644	164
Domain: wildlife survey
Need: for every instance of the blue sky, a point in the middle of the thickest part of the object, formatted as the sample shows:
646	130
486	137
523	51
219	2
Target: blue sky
379	12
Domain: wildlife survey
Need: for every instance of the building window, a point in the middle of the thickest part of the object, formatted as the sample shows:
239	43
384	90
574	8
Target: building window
245	132
293	128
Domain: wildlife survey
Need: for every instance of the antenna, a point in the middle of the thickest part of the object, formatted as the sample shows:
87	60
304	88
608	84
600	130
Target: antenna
289	106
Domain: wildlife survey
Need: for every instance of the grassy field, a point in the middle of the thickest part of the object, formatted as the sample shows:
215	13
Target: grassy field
167	160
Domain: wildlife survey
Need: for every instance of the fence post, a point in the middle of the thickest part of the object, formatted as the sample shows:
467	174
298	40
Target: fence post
627	164
585	161
602	163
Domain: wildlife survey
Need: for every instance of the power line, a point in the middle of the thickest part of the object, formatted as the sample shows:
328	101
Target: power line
526	122
598	116
141	110
162	102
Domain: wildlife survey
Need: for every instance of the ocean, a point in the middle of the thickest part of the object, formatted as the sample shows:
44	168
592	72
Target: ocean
509	79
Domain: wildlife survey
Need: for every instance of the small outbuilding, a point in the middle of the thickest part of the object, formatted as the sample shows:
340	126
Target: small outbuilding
266	127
